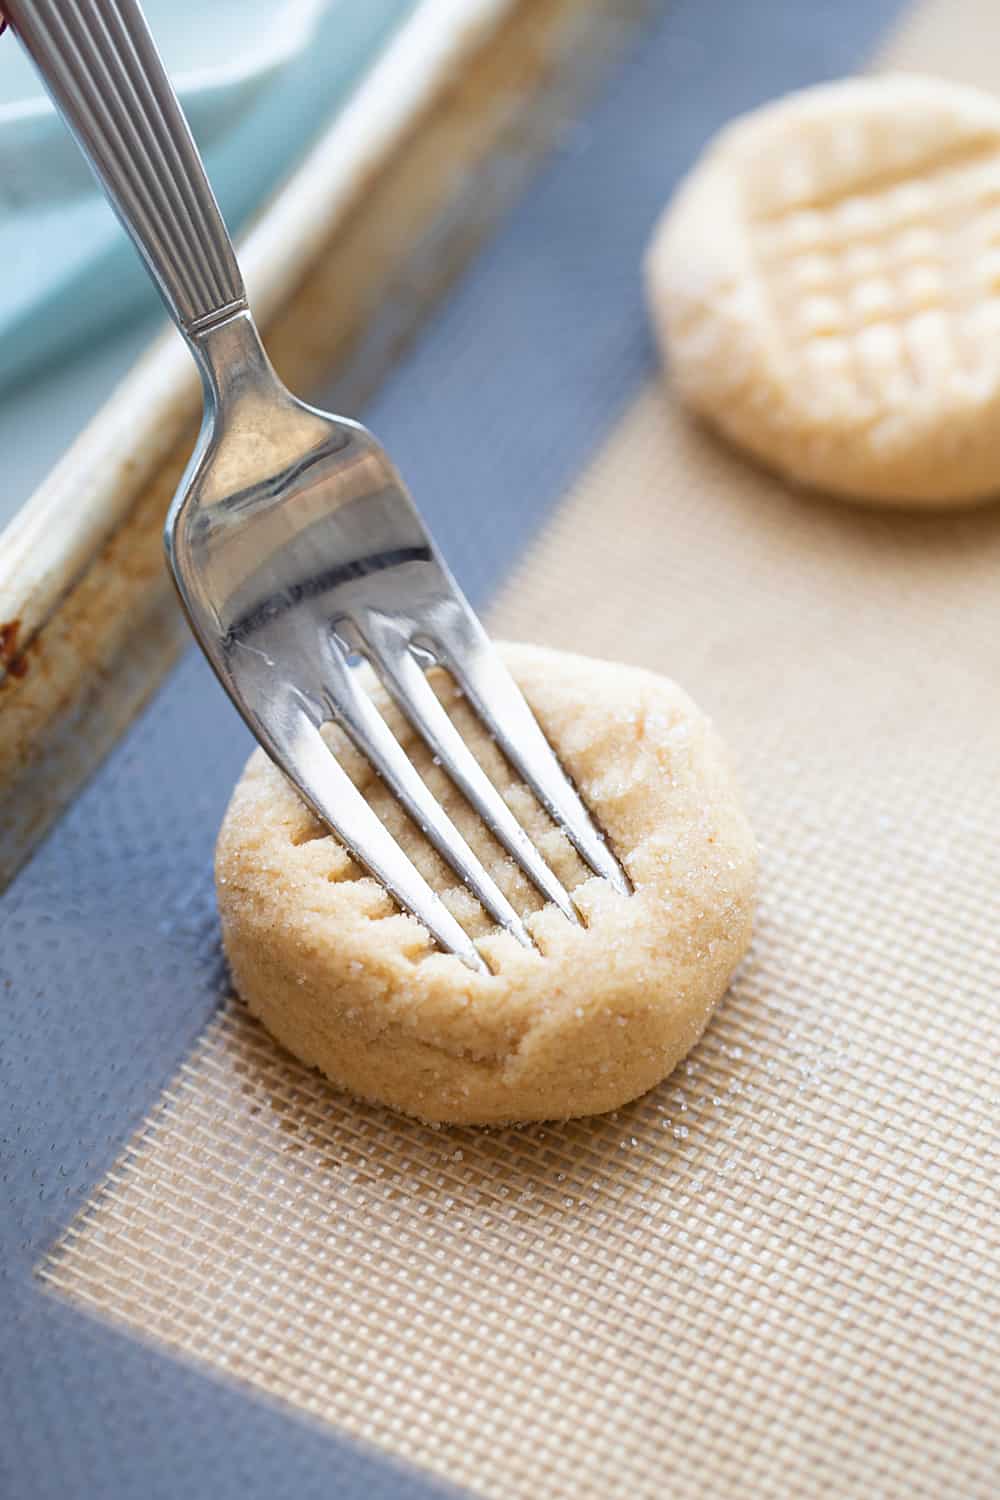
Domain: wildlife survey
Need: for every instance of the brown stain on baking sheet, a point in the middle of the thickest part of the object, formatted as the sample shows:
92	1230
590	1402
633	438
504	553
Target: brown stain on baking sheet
12	661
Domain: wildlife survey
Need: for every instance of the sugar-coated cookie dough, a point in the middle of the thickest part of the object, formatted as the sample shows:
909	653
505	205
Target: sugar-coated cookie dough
592	1019
826	286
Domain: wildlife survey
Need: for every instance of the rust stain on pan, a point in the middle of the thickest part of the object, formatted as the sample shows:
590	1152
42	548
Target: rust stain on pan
12	659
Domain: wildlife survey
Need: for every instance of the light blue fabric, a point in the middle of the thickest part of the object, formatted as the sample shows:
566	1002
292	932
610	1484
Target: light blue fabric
70	274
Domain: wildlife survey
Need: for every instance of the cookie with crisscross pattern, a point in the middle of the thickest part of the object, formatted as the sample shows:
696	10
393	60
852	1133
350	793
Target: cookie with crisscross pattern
826	285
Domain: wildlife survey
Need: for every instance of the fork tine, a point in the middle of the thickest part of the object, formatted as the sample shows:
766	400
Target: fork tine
337	802
501	705
361	721
406	680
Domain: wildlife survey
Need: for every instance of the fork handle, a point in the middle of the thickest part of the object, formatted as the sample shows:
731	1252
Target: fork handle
101	67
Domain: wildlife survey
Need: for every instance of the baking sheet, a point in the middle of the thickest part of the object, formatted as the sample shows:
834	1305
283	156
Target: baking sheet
775	1274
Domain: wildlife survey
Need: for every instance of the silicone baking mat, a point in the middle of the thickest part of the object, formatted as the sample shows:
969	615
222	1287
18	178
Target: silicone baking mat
776	1274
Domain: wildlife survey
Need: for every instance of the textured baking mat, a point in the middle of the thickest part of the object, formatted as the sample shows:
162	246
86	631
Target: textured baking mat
777	1273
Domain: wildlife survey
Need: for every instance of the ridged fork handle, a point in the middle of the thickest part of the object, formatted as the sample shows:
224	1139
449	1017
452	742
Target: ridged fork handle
104	74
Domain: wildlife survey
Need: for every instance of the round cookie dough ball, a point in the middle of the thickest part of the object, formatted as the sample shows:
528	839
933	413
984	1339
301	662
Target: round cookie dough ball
826	284
588	1020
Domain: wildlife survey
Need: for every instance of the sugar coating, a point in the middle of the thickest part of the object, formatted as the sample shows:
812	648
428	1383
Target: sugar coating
594	1017
826	288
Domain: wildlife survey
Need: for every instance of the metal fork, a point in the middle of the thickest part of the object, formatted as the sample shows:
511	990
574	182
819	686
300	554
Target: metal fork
293	542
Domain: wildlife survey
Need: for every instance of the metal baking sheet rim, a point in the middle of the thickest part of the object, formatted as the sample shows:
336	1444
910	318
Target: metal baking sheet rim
83	596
